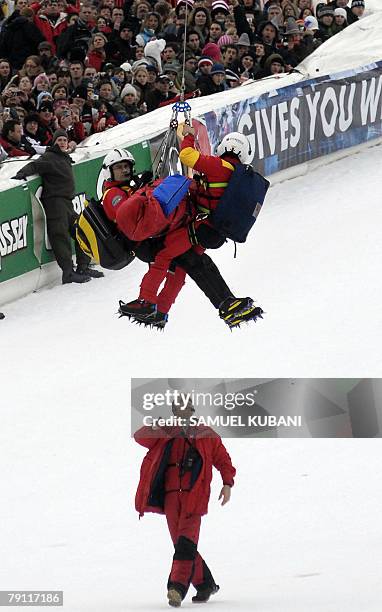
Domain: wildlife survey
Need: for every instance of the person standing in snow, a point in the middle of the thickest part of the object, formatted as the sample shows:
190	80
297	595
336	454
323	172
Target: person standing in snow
175	480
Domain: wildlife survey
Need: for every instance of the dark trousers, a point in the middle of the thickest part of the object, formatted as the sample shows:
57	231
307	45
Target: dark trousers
188	565
205	273
60	231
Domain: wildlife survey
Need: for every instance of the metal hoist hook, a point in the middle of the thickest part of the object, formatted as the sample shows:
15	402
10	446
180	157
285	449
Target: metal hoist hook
180	107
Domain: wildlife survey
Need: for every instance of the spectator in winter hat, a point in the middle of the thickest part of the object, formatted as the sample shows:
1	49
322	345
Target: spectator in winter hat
323	10
275	14
340	20
172	69
31	126
213	51
48	59
219	11
225	40
190	65
48	123
243	43
204	65
214	82
160	94
43	96
273	64
232	79
182	6
325	17
248	66
357	10
127	108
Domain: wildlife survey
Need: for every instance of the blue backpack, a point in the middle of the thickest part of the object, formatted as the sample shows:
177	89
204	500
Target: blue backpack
171	192
240	204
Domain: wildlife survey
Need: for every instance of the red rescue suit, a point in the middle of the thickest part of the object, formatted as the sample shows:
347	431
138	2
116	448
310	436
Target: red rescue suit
114	197
175	480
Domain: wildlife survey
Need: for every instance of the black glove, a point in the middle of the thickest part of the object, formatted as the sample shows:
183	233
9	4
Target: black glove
143	179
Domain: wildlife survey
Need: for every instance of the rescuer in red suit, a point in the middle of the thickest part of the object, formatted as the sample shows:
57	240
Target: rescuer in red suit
175	480
119	165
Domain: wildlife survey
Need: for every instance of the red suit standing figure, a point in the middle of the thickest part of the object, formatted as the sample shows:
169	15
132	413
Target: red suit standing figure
175	480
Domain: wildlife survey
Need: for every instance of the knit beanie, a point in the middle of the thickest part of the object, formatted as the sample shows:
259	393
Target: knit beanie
58	133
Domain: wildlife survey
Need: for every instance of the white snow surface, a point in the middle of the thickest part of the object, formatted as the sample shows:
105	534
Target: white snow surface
312	261
302	530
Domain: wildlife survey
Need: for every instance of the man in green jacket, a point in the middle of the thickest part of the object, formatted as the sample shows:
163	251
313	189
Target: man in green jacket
55	169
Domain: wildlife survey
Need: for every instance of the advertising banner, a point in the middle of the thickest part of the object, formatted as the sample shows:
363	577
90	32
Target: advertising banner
24	245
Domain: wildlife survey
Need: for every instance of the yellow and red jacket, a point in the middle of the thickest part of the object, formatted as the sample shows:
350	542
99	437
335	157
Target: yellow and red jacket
215	170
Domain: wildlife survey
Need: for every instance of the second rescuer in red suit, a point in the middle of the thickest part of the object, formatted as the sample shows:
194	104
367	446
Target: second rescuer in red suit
175	480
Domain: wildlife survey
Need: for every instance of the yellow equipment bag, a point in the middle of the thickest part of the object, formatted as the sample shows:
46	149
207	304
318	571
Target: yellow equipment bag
99	238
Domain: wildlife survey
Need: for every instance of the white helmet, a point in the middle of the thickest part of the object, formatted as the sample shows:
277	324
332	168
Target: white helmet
238	144
114	157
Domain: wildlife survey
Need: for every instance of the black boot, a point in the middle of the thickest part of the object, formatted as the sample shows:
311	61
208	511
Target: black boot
139	309
74	277
2	315
235	311
88	271
203	595
157	320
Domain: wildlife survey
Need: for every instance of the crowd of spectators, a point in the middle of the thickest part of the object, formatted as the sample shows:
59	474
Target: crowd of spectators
86	66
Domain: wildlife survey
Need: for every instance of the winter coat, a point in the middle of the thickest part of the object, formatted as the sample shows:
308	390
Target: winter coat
119	50
210	452
58	188
50	28
155	98
18	39
95	59
23	148
126	112
208	87
76	35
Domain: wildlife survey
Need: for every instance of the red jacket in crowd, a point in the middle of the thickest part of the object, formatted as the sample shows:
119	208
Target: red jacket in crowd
210	451
48	29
